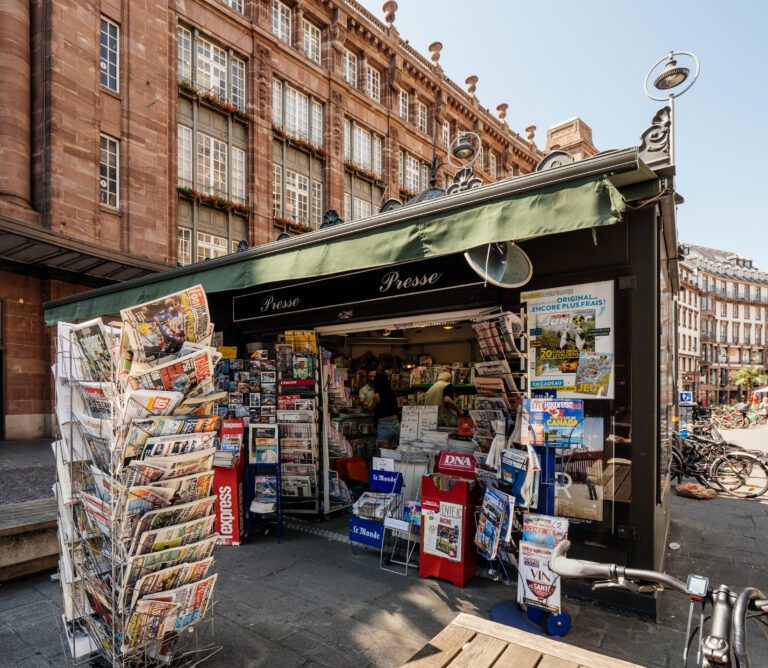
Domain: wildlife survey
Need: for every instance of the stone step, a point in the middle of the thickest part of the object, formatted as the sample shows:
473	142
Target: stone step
28	541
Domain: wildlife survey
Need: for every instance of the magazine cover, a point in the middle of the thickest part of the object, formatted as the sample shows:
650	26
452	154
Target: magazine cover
443	530
563	325
554	423
263	444
95	349
160	327
594	373
491	522
537	585
303	366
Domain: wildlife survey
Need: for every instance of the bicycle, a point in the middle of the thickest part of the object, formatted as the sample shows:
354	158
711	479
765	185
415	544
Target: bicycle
725	644
715	463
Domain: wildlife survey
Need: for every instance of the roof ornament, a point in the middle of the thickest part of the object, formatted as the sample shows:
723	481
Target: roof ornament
502	109
390	9
471	82
331	218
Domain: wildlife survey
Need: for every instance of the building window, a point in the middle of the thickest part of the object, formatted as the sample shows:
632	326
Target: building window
237	5
421	120
735	310
747	333
109	55
723	331
347	207
184	246
312	42
296	113
492	164
481	157
277	191
211	67
724	309
109	173
424	175
374	84
277	102
736	328
349	71
210	246
317	123
238	83
360	209
377	153
238	175
281	21
403	102
362	147
759	334
184	156
296	197
446	133
211	165
411	173
317	204
184	53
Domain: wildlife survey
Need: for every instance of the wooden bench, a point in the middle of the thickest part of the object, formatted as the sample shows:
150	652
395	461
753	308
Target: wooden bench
28	540
472	642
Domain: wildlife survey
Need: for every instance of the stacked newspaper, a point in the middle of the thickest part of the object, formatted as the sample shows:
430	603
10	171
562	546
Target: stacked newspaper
134	403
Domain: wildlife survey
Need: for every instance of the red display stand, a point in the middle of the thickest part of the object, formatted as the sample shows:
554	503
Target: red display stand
228	485
448	505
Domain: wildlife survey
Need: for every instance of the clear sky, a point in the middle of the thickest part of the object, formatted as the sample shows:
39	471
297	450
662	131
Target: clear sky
551	60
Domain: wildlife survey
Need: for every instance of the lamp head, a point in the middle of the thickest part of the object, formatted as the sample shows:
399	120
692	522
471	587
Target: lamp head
672	76
464	149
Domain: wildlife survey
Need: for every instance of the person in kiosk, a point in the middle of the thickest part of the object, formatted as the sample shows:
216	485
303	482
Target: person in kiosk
384	408
367	391
441	395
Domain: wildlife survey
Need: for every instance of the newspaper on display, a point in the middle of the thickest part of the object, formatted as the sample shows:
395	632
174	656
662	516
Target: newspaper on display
137	399
159	328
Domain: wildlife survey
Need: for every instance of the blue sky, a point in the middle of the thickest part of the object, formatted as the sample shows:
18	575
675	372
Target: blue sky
553	59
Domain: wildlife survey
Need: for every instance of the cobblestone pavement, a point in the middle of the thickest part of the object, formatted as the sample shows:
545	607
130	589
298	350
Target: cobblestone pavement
313	602
27	470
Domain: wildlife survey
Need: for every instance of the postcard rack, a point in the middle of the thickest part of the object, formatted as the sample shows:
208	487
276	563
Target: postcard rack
133	484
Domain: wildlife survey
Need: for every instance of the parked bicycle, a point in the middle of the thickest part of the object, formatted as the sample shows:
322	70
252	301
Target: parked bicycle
718	464
723	644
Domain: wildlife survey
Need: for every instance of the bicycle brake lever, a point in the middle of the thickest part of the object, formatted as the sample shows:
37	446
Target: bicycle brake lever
618	583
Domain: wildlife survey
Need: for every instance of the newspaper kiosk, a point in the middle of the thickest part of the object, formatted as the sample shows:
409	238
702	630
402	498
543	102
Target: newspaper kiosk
448	501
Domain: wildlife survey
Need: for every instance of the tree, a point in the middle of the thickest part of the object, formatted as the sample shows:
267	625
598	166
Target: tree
748	377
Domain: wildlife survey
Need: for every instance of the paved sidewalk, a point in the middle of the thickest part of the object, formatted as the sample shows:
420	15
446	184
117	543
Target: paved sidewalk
27	470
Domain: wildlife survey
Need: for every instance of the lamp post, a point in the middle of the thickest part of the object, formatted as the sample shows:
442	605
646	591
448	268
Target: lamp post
669	81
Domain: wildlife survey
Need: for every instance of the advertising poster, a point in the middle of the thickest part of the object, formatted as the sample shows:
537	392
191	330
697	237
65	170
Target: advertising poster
554	423
442	529
571	340
537	584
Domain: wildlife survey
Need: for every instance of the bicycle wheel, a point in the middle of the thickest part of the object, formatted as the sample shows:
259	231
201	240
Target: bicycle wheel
740	474
739	421
676	466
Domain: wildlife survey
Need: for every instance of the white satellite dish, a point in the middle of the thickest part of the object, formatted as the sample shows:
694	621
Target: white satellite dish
503	264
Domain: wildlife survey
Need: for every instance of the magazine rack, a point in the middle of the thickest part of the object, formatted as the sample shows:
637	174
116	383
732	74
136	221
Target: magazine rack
402	535
136	541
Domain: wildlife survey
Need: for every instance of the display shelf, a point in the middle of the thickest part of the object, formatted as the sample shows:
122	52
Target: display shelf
422	388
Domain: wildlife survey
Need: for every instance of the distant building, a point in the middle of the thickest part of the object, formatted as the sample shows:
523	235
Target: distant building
732	298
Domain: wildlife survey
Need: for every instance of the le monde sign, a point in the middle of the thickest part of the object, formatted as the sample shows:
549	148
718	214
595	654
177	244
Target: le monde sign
391	282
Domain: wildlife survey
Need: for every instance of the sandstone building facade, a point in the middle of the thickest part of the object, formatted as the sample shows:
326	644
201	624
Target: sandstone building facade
136	136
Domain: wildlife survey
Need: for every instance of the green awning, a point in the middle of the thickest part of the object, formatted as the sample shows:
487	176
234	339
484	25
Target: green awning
554	209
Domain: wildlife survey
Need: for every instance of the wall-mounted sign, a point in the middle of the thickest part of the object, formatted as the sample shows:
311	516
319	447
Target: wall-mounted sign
571	340
390	282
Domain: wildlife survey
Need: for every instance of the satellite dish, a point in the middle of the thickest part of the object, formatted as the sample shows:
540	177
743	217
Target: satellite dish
503	264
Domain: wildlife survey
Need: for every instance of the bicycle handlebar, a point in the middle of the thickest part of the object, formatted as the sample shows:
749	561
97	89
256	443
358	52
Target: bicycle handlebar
576	568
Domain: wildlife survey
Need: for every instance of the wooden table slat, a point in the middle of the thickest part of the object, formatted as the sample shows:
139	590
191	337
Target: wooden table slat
554	662
518	657
482	650
442	649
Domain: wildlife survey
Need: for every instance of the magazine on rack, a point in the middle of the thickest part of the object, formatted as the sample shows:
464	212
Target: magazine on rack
159	328
141	565
163	446
176	466
139	404
263	444
139	501
170	578
173	515
98	514
95	349
173	536
495	523
188	374
192	600
186	488
140	430
70	365
497	369
297	486
97	401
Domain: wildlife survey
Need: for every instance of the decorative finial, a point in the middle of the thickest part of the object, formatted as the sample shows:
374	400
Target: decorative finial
471	82
389	12
502	109
435	48
530	132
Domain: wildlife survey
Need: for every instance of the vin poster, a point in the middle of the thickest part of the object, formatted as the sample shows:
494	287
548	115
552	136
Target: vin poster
570	331
537	585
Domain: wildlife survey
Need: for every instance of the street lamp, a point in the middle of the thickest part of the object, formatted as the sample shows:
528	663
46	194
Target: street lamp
671	78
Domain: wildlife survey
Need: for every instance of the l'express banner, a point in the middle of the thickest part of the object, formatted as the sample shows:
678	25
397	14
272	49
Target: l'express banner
425	276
